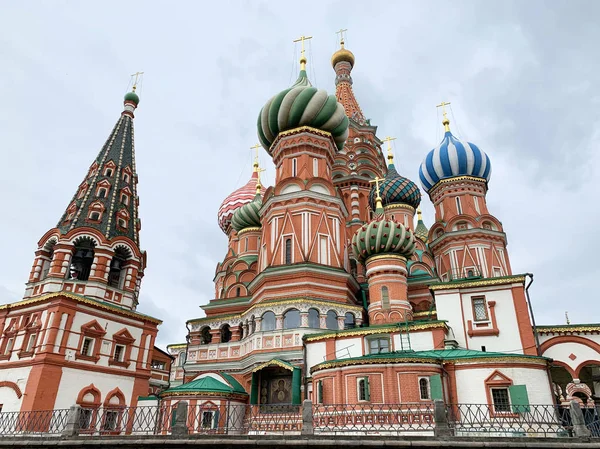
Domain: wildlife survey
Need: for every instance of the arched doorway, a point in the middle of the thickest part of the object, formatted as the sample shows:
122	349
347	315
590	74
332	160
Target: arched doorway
276	383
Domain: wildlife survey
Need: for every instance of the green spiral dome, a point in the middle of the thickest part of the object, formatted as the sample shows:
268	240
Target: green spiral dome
302	105
383	236
248	215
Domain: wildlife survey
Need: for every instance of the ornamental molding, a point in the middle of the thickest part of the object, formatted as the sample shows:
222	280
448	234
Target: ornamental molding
399	206
275	362
250	229
455	180
82	300
375	330
569	329
479	283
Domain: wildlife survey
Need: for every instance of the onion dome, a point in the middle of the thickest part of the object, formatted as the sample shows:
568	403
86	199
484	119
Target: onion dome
421	230
382	236
133	97
342	55
235	200
396	189
248	216
302	105
452	158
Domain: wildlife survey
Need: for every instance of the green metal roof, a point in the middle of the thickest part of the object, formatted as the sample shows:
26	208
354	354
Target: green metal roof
209	384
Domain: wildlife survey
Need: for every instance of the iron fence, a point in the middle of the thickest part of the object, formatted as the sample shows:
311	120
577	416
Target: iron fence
372	419
235	419
46	422
512	421
148	420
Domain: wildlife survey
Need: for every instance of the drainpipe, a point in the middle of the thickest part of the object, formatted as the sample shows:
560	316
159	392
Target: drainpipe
187	348
535	332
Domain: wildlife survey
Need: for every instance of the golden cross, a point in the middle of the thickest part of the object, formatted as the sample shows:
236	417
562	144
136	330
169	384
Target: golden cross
302	57
378	197
443	105
258	184
341	33
136	74
390	156
256	147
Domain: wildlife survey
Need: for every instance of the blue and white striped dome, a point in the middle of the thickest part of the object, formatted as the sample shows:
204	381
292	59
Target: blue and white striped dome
454	158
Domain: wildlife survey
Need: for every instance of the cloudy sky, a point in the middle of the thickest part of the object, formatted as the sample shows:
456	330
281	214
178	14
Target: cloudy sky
521	76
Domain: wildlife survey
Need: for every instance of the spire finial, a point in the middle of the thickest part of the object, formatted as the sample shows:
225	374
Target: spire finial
302	51
390	155
445	122
341	33
419	216
567	317
255	164
378	203
135	81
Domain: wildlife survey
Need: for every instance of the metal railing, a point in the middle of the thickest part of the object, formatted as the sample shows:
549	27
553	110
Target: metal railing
46	422
368	419
152	420
514	421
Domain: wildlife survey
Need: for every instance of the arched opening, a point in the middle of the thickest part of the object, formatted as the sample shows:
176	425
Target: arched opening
83	258
288	251
590	375
225	334
314	321
268	321
49	248
349	321
291	319
331	321
385	298
205	335
117	273
182	358
252	325
424	388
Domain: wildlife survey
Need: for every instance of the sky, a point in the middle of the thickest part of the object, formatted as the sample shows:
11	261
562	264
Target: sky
521	78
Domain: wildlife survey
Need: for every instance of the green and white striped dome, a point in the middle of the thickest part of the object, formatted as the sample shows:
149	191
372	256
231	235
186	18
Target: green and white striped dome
247	216
383	236
302	105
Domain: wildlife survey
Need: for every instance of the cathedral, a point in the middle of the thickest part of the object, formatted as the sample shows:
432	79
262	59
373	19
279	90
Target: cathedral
332	289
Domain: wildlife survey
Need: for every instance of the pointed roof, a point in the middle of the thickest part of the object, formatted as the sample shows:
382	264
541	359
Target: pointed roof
421	230
212	383
342	62
110	186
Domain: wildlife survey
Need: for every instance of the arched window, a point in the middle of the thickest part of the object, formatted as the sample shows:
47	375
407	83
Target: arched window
268	321
294	167
349	322
314	320
49	246
288	250
252	325
291	319
102	193
225	334
458	206
182	358
205	336
83	258
117	273
332	322
424	388
238	291
385	298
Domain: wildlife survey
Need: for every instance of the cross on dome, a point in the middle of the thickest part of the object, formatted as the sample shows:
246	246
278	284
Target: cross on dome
301	39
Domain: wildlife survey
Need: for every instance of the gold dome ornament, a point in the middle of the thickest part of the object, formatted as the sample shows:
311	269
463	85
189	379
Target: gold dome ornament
343	54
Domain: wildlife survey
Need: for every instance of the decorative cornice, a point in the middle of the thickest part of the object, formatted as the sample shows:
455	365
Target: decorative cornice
399	206
478	283
274	362
253	228
385	256
568	329
177	346
82	300
444	181
274	302
198	393
301	129
375	330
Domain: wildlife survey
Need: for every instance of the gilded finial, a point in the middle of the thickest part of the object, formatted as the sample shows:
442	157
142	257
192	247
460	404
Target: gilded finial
445	121
255	164
341	33
390	155
378	203
419	216
301	39
567	317
135	81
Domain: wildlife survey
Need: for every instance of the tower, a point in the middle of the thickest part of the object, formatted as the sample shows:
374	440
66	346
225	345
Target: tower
467	240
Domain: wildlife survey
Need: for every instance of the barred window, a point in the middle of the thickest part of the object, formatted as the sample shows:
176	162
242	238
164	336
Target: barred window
379	345
480	309
424	388
501	399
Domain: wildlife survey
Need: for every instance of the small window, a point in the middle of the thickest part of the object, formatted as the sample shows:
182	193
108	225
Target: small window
102	193
85	418
238	291
182	358
207	420
379	345
9	346
314	320
315	166
476	203
158	365
225	334
294	167
323	250
363	389
122	223
320	392
385	298
291	319
424	388
501	400
246	244
110	420
480	309
124	199
288	250
126	178
268	321
458	206
497	272
30	343
349	322
108	172
119	353
331	321
95	216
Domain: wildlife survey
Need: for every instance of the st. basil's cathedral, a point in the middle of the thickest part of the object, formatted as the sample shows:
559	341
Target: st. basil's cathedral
332	289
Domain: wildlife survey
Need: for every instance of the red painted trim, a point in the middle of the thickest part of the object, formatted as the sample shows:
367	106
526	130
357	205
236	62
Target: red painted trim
14	386
569	339
583	365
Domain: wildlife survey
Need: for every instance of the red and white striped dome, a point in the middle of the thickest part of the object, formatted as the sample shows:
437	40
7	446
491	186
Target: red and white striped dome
235	200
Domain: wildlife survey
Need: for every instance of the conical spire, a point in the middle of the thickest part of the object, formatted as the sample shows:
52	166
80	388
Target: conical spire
421	230
342	62
107	198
